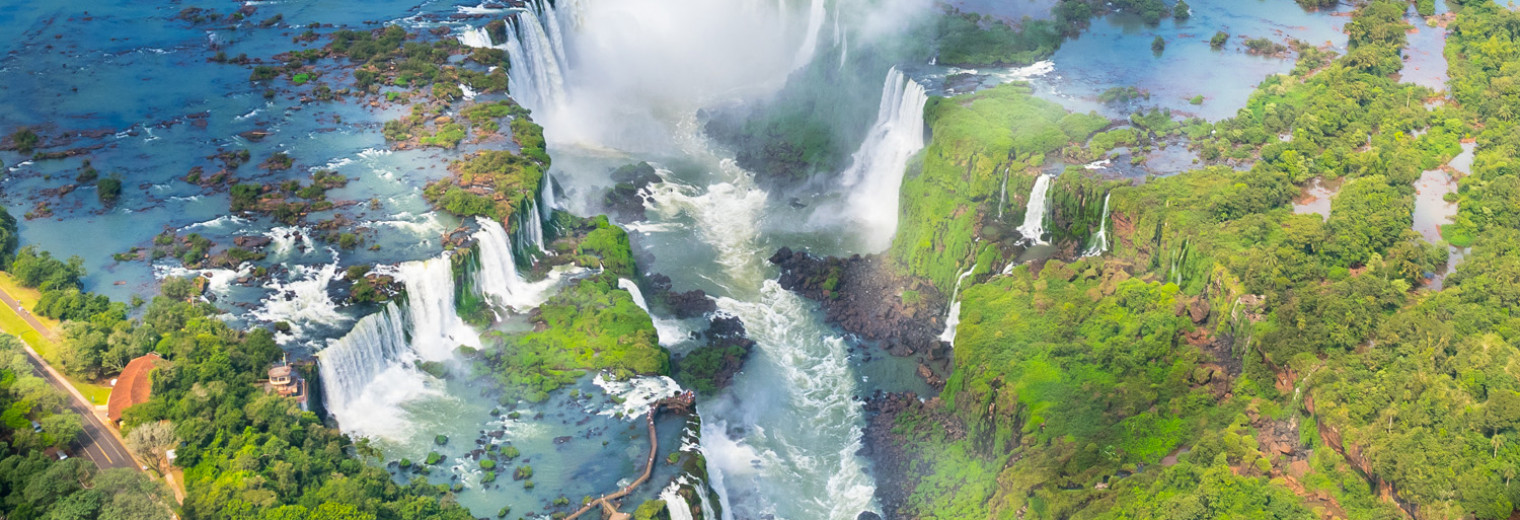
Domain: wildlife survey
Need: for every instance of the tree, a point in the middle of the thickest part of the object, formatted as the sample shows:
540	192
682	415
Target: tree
1502	411
1182	11
63	428
1158	45
148	440
108	189
1220	38
133	496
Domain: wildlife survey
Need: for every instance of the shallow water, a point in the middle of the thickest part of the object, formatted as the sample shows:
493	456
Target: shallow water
1315	197
1431	210
1116	52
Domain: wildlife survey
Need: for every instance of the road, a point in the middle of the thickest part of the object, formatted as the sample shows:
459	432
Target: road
98	443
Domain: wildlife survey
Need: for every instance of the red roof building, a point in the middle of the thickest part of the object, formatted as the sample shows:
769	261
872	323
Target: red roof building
133	386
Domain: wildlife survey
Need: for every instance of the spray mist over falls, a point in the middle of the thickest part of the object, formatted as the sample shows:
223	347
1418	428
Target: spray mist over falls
617	73
874	178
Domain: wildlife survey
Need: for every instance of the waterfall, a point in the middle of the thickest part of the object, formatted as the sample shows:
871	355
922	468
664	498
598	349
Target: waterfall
350	363
707	507
670	332
535	227
953	316
477	37
536	51
436	328
677	506
1033	228
876	170
497	278
1100	240
546	199
810	40
1003	195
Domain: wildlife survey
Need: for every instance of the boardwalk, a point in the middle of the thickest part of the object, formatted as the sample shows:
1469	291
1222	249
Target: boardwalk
681	403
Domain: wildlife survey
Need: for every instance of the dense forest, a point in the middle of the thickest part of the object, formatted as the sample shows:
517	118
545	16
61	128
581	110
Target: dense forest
1195	348
1228	357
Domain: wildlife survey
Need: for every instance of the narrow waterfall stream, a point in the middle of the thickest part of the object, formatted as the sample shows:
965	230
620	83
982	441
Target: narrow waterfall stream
1033	227
1100	240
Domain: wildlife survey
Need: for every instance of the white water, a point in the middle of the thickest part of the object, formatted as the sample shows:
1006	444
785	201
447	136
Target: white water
368	376
285	239
641	70
875	174
534	226
302	300
810	39
546	197
669	331
635	395
537	76
1100	240
497	278
953	317
1003	193
797	459
1033	228
437	331
677	506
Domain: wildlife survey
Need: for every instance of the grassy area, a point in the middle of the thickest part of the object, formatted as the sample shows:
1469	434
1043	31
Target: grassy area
12	322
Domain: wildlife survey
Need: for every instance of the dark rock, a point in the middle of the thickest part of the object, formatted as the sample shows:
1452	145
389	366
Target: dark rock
252	242
865	297
626	200
867	515
1199	310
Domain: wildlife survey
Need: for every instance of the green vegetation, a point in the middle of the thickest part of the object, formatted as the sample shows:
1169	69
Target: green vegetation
1219	40
108	190
33	482
592	325
972	40
24	140
1228	358
977	139
498	184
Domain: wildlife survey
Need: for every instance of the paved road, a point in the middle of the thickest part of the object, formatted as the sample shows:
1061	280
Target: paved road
97	442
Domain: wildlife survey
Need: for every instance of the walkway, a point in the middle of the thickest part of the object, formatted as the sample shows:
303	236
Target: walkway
681	403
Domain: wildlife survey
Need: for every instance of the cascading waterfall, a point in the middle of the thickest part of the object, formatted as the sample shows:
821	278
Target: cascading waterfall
536	49
1033	228
677	506
497	278
353	364
436	328
476	37
953	316
535	227
1100	240
875	173
670	332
